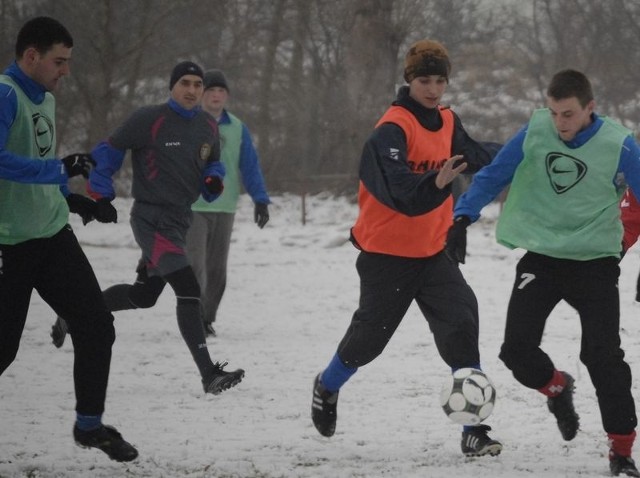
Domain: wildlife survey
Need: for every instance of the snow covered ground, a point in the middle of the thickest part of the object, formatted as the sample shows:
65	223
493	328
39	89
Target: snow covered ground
291	292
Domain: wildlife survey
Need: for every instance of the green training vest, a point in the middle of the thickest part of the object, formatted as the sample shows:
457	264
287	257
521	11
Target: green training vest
563	202
31	211
230	141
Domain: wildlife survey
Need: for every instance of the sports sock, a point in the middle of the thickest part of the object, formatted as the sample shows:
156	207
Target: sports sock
621	444
555	386
336	374
190	325
467	428
88	422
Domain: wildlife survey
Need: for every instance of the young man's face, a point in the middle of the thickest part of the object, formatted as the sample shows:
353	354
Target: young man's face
427	90
48	68
569	116
187	91
214	100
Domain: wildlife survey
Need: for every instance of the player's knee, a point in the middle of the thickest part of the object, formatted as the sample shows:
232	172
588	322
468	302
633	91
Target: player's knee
184	283
146	295
511	355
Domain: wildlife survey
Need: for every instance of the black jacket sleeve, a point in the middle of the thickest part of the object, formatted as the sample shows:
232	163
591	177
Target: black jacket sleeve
476	154
386	174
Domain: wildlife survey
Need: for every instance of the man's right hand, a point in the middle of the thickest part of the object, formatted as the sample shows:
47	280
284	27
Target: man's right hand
78	163
450	170
104	211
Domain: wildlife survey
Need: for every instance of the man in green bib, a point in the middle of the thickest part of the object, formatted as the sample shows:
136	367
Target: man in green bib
567	170
209	237
38	249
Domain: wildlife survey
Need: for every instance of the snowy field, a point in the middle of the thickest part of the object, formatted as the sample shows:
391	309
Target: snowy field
291	292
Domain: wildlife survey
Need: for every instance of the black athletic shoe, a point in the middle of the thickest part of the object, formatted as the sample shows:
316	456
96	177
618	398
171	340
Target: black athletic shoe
59	332
219	380
107	439
476	442
324	408
562	407
209	331
622	465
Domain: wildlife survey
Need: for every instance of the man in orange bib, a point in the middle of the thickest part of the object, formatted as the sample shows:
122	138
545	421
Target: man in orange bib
405	213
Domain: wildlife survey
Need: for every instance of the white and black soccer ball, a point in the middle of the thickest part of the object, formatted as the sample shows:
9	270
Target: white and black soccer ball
468	396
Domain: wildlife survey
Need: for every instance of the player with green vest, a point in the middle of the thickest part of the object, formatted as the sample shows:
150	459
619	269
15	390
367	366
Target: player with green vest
38	249
209	236
567	170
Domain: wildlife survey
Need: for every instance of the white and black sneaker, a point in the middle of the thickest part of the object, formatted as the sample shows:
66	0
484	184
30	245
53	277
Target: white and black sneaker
622	465
324	409
476	442
107	439
219	380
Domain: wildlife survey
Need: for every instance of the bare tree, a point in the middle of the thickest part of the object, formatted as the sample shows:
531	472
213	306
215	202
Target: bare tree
310	78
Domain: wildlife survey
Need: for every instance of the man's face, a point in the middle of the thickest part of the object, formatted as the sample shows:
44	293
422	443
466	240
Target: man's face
48	68
569	116
214	100
427	90
187	91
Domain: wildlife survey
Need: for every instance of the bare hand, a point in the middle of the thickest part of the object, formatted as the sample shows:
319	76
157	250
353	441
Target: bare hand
448	173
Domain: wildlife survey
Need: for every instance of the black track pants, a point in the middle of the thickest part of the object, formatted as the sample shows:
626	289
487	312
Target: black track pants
591	288
58	270
388	286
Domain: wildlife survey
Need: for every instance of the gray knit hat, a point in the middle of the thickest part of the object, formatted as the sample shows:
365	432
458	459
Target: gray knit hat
215	78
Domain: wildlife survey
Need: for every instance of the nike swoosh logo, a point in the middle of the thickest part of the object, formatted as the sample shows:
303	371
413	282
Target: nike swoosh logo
40	133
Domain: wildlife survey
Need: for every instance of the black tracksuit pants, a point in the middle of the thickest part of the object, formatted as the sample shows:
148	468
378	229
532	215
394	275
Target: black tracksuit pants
59	271
591	288
388	286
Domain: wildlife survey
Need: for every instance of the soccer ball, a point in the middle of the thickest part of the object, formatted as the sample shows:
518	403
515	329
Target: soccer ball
468	396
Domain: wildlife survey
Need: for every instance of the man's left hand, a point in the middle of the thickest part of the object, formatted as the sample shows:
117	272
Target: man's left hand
261	214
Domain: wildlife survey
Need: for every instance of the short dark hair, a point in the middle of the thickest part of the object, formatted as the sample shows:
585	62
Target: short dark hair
42	33
570	83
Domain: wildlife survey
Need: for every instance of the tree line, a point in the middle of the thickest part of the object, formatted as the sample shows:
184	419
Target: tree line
311	77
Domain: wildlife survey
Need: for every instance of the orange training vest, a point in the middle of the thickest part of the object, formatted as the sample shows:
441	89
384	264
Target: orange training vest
383	230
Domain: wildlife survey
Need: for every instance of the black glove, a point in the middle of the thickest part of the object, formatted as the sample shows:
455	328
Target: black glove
213	184
261	214
105	212
82	206
456	245
79	163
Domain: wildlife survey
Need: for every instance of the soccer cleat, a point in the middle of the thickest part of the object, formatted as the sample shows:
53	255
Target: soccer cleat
622	465
562	407
218	380
324	408
476	442
209	331
107	439
59	332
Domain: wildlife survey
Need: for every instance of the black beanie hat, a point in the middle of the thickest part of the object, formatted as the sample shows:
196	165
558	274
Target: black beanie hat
184	68
215	78
426	57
